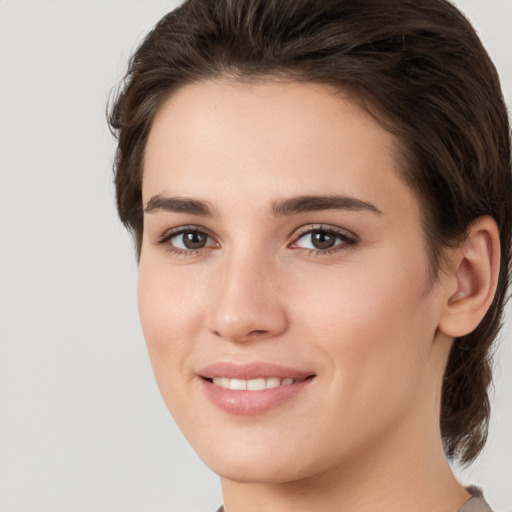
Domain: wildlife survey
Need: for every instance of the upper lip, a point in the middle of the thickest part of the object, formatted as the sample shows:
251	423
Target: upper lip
252	370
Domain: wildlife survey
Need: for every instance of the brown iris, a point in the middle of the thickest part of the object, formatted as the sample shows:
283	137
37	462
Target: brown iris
322	240
194	239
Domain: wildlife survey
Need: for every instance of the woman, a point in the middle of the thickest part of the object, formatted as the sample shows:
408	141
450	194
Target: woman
320	195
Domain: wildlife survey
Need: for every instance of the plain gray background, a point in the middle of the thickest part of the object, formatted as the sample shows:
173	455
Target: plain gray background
82	425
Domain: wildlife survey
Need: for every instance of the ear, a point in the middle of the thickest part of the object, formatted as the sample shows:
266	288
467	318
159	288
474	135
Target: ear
471	279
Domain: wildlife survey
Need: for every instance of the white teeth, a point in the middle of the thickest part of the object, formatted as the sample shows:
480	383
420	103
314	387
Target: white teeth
237	384
253	384
224	382
256	384
273	382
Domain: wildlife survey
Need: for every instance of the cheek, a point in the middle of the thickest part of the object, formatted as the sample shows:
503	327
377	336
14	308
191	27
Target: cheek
375	328
170	313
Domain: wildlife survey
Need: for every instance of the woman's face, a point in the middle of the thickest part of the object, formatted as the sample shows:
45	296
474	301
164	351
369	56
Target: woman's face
282	253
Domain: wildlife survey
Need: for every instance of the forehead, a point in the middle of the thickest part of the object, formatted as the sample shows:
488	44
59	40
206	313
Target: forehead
216	139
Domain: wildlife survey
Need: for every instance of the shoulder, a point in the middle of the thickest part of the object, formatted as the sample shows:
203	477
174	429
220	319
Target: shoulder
476	503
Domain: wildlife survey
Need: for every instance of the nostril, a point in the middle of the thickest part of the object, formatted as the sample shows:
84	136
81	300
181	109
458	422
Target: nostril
241	335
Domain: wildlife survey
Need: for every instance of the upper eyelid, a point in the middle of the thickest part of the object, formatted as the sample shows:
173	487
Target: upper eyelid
169	233
311	228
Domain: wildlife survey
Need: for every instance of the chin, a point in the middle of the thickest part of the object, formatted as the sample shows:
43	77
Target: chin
250	472
261	465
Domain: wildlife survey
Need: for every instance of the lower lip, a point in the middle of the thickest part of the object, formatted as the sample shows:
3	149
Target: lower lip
247	403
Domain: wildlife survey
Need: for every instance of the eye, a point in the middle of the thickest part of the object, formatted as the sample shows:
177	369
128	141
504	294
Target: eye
186	240
323	240
190	240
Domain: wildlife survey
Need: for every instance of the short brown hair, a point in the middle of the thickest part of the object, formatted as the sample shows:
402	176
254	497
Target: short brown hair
418	67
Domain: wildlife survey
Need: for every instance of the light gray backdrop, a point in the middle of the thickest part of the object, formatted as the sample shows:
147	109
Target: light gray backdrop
82	425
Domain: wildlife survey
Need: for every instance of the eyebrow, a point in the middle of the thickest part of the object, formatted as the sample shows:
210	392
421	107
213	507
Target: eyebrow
281	208
304	204
178	205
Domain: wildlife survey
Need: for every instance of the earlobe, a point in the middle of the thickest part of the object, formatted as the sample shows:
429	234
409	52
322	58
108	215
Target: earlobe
473	277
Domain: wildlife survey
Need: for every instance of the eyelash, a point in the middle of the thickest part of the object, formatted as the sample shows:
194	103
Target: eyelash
348	240
169	235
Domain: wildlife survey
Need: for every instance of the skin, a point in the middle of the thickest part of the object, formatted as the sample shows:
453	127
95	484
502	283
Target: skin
363	318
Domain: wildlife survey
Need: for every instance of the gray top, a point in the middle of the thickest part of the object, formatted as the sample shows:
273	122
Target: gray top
475	504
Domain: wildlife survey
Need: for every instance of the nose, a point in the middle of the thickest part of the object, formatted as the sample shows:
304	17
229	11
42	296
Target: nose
247	304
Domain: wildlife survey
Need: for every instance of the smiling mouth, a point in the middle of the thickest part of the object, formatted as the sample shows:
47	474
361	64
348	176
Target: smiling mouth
258	384
245	390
